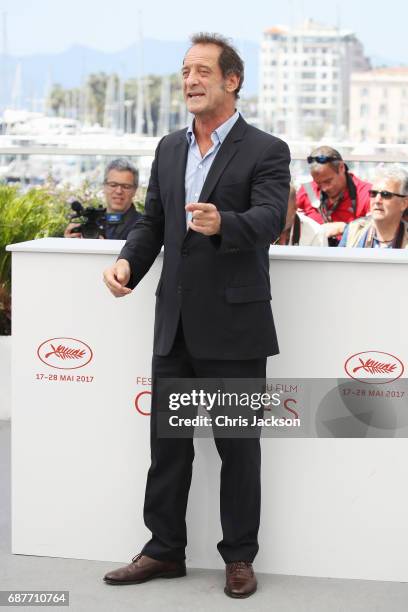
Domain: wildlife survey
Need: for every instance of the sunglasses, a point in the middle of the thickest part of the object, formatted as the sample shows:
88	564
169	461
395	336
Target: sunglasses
385	195
322	159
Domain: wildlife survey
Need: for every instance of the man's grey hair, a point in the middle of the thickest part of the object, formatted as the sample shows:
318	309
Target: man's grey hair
396	172
229	60
329	152
122	165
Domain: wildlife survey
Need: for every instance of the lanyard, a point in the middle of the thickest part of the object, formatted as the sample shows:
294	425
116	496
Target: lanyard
395	243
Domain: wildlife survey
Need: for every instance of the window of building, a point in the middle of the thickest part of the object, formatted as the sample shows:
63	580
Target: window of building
382	109
307	100
364	92
364	110
308	87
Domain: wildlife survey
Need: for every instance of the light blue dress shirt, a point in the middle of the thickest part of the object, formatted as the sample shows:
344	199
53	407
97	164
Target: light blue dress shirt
198	167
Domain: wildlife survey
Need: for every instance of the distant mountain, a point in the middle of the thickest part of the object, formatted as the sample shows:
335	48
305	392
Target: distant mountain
72	66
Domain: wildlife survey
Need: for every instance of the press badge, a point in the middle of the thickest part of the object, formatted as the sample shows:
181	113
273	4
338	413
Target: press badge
113	218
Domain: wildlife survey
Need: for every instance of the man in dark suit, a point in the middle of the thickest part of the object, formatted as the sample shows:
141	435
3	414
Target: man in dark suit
120	184
213	315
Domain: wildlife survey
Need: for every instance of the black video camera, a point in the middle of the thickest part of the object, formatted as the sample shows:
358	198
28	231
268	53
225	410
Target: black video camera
93	220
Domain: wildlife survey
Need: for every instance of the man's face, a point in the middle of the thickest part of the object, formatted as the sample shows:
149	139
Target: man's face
383	209
328	180
119	190
205	90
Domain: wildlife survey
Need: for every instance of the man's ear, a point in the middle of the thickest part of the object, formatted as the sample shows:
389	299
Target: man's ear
342	167
232	82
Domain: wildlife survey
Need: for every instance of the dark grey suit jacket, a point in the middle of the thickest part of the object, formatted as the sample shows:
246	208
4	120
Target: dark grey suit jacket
219	285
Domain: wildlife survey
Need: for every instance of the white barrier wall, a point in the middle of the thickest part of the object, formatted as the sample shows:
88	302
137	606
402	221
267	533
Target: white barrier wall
80	448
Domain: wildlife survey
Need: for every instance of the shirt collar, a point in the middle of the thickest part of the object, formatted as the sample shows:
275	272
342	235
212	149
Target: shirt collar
219	134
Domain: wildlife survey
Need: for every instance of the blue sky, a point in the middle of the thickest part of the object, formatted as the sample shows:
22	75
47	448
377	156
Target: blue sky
52	26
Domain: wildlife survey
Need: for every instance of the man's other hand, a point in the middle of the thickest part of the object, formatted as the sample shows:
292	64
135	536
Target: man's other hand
116	277
68	233
205	218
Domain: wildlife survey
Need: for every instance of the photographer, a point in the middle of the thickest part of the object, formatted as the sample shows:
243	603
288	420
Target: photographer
336	196
119	186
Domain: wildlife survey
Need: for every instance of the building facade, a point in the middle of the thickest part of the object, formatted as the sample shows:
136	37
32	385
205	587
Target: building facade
379	106
305	79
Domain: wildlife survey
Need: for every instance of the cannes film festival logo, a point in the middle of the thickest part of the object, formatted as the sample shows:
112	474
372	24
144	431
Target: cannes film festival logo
374	367
65	353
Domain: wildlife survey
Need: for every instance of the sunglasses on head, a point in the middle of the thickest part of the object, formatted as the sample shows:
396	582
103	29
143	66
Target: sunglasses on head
385	195
322	159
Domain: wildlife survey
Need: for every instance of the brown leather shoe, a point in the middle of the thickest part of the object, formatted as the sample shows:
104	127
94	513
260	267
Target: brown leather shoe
145	568
241	580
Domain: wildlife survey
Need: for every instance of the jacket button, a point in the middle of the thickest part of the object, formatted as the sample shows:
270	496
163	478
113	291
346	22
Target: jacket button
179	288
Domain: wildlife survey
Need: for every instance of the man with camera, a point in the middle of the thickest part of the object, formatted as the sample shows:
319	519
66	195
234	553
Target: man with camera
120	184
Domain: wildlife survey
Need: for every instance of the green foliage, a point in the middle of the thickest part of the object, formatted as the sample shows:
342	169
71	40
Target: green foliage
38	213
97	86
23	216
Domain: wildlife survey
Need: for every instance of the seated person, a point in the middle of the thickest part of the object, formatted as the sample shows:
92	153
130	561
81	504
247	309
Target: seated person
336	196
385	227
120	184
299	229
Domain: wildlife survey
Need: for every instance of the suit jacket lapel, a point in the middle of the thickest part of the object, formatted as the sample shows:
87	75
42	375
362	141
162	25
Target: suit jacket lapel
225	154
227	151
179	167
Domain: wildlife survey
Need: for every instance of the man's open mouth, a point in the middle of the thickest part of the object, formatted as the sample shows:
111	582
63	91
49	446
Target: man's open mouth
195	95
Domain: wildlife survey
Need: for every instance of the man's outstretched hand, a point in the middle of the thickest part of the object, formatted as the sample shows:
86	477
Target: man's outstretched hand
205	218
116	277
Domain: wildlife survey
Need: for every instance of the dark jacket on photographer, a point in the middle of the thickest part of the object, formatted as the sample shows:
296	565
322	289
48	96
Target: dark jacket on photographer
120	231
